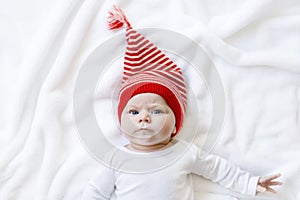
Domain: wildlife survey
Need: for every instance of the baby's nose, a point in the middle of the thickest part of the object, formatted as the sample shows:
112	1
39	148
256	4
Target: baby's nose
144	117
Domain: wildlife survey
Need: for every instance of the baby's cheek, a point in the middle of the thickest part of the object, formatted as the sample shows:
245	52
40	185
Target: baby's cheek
123	126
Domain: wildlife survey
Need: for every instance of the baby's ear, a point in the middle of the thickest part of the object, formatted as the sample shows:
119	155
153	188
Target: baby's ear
174	130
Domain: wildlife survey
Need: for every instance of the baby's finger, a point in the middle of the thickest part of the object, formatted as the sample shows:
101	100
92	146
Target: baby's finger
276	176
271	177
276	183
271	190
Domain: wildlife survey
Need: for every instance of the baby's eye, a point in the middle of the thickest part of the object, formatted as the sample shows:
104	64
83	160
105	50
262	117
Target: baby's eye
156	112
133	112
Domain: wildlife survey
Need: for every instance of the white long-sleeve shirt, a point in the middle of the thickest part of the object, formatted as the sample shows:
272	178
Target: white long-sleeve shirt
173	182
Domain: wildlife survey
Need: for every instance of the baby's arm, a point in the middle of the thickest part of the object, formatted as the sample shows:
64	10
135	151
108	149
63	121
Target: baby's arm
264	183
101	186
221	171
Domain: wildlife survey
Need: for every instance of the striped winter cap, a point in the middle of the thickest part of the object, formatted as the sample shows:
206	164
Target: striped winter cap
148	70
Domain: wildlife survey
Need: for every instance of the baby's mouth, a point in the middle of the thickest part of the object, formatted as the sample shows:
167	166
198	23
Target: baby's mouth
144	133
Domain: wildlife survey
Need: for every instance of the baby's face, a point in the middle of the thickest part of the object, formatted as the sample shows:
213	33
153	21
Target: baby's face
147	120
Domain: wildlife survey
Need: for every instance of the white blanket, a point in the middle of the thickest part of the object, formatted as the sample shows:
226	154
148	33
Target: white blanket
254	45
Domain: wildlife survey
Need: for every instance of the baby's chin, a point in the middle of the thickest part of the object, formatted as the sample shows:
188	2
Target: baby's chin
142	139
148	140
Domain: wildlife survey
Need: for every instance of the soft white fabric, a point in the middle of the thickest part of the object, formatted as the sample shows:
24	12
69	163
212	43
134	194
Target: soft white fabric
253	43
172	182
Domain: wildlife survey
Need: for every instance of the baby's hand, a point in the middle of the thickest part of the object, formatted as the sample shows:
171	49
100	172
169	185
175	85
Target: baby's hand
264	183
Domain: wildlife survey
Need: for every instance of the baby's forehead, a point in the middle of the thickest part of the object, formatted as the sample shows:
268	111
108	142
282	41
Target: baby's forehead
147	98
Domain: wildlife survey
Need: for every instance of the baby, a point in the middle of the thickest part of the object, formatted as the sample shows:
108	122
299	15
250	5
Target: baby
151	110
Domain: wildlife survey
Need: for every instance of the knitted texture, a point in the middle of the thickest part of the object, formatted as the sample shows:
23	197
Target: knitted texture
148	70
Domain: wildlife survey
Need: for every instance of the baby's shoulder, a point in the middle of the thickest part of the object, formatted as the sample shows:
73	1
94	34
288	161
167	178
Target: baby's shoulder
192	149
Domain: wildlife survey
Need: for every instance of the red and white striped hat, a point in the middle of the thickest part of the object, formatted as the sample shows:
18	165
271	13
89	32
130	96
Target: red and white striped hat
148	70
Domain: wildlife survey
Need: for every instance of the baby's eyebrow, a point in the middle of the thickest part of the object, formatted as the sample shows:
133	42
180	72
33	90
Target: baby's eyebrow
157	106
133	106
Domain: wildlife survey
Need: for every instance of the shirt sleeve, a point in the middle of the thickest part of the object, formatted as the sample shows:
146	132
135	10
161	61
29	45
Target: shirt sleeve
101	186
224	173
